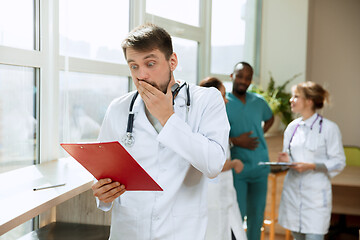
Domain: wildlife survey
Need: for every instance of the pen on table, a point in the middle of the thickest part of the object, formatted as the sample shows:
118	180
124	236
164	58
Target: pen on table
52	186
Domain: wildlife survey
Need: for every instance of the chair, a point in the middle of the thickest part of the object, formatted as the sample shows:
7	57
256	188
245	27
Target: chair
352	154
272	220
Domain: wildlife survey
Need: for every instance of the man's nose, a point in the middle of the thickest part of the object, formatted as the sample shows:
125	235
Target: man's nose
241	80
143	74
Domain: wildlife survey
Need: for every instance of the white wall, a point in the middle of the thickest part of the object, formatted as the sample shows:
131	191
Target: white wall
283	40
321	39
334	61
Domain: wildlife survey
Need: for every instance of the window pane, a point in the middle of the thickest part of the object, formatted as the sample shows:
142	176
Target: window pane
17	117
228	86
187	53
232	34
17	23
84	99
19	231
185	11
93	30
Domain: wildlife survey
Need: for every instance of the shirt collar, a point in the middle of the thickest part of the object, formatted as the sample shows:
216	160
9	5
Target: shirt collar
230	95
180	99
308	122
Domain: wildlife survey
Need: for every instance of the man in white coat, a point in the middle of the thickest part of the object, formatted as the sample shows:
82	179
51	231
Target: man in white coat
180	140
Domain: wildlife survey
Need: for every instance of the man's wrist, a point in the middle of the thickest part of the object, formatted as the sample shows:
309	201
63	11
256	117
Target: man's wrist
163	122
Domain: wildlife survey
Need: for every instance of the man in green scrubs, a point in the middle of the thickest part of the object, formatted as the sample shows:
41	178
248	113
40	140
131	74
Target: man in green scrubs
246	112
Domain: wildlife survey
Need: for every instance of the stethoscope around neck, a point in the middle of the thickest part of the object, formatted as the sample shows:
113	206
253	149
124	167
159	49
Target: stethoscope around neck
128	139
311	127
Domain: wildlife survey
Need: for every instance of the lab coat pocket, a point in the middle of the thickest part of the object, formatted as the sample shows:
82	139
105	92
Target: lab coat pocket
184	224
124	223
325	198
186	204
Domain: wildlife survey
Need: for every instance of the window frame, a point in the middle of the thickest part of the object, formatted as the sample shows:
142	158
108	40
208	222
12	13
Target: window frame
255	48
47	62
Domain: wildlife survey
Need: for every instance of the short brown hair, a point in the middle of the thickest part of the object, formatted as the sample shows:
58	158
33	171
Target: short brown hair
147	37
313	91
211	82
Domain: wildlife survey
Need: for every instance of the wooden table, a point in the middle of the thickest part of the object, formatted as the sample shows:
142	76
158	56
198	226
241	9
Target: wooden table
346	191
19	202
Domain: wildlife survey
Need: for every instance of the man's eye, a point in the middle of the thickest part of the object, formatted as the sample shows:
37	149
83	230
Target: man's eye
150	64
133	67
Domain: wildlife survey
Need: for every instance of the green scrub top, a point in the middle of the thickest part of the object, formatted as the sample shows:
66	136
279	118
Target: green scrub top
245	118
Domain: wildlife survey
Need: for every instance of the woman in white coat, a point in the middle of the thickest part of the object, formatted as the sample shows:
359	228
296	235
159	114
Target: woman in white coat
313	144
224	218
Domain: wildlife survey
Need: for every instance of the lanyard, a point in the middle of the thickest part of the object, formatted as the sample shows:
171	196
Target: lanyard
311	127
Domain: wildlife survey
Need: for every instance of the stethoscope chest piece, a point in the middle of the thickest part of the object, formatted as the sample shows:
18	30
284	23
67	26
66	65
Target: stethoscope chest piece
128	139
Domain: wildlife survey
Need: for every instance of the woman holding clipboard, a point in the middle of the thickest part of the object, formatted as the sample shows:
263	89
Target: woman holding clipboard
313	144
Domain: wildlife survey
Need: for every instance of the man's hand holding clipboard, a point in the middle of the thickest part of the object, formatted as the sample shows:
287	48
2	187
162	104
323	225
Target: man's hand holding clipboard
113	166
107	191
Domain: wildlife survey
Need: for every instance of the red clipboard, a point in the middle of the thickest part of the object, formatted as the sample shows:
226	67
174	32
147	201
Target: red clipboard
111	160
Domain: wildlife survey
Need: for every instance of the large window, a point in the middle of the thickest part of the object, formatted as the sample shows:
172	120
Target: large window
185	30
17	24
81	60
93	30
187	53
17	117
175	10
18	92
61	64
92	71
84	99
232	34
19	231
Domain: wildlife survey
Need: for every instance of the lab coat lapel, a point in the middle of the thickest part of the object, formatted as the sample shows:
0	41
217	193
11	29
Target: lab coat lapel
312	139
180	103
142	122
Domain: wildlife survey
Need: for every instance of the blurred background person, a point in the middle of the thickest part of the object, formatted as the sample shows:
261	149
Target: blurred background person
313	144
247	112
224	214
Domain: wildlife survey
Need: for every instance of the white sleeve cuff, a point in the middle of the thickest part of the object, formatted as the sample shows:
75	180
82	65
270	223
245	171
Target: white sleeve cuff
103	206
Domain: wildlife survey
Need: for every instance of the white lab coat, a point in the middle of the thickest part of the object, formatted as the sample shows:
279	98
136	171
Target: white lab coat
224	213
179	159
306	199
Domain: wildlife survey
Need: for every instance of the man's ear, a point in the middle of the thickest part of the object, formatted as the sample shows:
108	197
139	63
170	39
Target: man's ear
173	61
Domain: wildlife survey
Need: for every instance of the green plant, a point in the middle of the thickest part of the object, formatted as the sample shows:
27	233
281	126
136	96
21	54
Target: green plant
277	98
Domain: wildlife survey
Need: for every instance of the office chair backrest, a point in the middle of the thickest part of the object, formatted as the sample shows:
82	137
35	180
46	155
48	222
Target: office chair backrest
352	154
